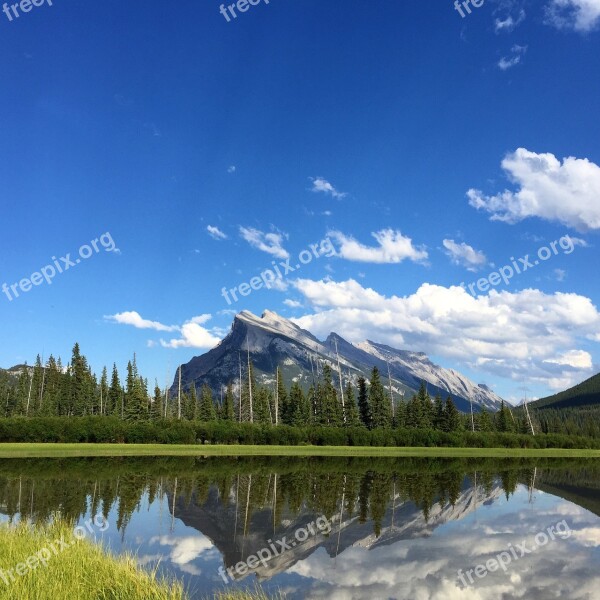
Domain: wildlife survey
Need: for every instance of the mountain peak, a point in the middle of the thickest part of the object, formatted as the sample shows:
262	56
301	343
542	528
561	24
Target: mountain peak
273	341
272	323
270	315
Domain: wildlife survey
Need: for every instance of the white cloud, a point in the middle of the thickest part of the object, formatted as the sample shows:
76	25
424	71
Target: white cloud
588	536
134	318
216	233
193	335
393	248
231	169
185	549
323	186
579	242
578	359
200	320
292	303
578	15
564	192
516	53
524	336
464	255
427	567
271	243
280	285
510	23
560	274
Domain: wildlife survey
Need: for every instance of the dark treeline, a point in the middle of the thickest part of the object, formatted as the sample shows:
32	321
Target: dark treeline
580	420
98	429
71	391
54	390
37	488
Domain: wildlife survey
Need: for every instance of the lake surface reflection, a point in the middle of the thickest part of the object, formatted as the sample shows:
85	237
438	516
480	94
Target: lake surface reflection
396	527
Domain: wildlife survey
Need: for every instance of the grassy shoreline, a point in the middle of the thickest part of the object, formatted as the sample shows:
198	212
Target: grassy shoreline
37	450
36	566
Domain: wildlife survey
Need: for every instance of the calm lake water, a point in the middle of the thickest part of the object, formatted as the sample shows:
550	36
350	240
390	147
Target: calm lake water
335	528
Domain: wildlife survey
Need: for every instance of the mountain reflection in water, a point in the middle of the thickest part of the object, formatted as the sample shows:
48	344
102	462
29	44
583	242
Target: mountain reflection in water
400	528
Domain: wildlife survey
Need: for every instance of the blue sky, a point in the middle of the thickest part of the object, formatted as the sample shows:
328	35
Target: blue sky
429	148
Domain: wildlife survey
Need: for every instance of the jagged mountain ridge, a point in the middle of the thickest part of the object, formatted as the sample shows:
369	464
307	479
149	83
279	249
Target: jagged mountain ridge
272	340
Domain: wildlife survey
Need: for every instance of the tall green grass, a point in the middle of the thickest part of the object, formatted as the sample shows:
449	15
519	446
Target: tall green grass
83	570
33	450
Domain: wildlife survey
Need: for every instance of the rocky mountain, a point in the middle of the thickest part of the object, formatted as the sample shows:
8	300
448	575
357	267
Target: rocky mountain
272	341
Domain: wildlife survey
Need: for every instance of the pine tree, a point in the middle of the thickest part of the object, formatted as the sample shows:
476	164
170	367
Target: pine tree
191	408
381	406
502	419
156	407
207	406
81	384
312	401
249	383
114	394
6	388
227	413
299	411
136	396
400	420
523	425
451	416
426	409
262	406
33	403
281	395
438	414
18	405
352	417
93	403
64	397
331	410
363	404
413	413
483	421
103	392
51	392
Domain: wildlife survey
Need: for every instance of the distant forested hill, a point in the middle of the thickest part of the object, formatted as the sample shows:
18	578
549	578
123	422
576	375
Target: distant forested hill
586	393
575	411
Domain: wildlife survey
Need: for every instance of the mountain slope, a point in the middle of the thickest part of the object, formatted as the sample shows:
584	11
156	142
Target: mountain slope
586	393
272	341
440	380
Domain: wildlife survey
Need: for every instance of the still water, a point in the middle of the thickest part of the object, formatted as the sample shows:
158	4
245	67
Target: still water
335	528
